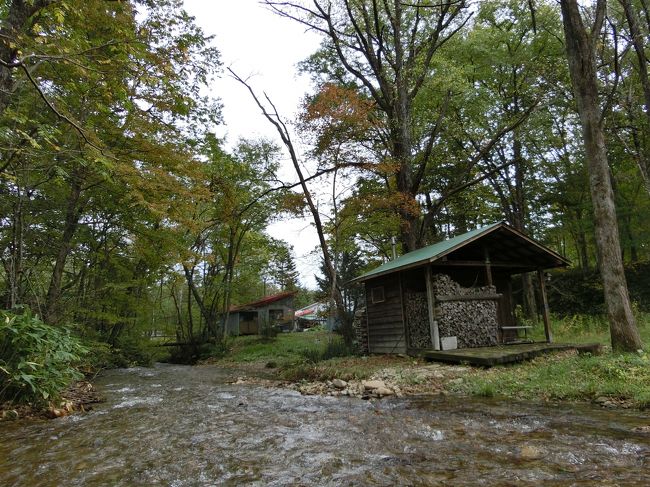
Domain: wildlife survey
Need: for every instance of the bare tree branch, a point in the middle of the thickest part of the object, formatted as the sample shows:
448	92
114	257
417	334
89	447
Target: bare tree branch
274	118
51	106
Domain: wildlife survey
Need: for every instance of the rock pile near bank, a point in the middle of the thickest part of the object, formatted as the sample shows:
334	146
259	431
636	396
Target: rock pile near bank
388	382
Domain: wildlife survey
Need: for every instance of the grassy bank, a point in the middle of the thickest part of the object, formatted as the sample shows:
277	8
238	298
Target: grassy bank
610	379
283	349
311	356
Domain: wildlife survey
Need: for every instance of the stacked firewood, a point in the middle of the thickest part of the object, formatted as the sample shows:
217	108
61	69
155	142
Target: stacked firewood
443	285
417	317
472	322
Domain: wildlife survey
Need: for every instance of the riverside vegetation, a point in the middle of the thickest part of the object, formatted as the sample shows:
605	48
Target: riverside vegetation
38	364
313	361
43	368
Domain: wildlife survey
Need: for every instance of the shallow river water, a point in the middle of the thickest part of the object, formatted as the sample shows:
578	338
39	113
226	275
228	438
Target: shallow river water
186	426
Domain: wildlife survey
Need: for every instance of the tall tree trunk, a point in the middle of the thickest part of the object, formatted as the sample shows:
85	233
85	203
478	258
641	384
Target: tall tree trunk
388	49
580	46
639	48
581	242
16	23
206	311
519	214
15	265
234	246
401	128
407	206
72	215
646	13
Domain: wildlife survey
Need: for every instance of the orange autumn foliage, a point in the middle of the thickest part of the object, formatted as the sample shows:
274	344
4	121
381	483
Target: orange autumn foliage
337	115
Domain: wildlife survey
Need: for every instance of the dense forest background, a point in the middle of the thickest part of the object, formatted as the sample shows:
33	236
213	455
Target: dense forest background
123	216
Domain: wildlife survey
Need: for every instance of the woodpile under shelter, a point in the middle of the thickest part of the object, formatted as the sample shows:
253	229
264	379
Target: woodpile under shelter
457	293
248	319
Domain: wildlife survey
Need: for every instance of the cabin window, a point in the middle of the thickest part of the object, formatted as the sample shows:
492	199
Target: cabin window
377	294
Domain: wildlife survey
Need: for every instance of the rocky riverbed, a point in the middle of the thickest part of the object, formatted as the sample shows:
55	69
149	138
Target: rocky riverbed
196	426
407	379
416	379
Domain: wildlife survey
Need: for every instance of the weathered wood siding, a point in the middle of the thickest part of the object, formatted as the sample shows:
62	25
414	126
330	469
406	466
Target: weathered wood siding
386	331
233	324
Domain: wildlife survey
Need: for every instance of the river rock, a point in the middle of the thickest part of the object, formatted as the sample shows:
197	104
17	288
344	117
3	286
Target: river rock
529	452
57	413
642	429
383	391
370	385
606	402
10	415
339	384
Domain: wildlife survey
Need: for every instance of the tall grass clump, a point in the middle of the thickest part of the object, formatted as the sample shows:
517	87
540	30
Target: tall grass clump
37	361
317	363
335	348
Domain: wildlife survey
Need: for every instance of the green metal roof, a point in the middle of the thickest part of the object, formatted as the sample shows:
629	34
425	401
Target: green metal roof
426	254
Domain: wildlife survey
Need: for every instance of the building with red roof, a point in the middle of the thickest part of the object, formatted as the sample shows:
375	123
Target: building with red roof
250	318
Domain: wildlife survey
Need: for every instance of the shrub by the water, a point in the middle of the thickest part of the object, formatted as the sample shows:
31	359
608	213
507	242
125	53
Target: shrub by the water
134	350
214	349
37	361
128	351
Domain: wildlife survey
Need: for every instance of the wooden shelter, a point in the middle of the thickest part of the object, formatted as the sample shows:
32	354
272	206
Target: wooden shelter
454	294
248	319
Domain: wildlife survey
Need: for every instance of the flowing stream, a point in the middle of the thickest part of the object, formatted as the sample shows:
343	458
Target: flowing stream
185	426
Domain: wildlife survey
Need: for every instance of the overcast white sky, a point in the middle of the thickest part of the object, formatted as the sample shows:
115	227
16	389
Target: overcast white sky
255	42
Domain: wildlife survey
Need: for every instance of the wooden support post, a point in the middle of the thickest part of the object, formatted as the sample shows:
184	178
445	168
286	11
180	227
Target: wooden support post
509	313
405	319
545	311
488	266
433	324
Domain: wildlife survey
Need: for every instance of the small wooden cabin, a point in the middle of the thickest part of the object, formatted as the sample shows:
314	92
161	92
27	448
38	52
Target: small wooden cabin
453	294
248	319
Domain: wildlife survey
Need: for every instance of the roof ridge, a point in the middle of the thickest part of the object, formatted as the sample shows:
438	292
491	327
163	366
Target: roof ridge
435	251
265	300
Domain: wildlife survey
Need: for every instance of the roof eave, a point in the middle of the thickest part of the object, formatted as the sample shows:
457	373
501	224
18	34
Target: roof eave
388	271
563	262
431	259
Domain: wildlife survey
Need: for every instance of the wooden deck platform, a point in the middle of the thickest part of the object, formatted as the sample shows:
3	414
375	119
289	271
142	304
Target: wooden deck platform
503	354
